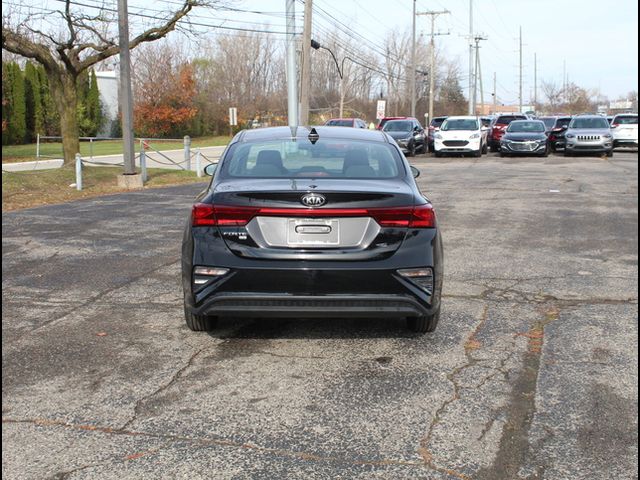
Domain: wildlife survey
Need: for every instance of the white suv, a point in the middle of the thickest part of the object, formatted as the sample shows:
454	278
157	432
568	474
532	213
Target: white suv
624	128
460	135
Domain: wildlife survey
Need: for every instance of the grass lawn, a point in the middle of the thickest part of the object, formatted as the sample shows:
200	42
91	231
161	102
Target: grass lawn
24	153
44	187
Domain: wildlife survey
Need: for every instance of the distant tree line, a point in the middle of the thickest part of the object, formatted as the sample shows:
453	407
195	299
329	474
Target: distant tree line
28	108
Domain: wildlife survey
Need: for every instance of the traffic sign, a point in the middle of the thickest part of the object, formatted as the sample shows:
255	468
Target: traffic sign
233	116
382	105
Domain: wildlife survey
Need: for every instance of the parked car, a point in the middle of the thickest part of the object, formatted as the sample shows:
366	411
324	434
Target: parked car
498	127
556	127
588	133
525	137
346	122
281	232
624	128
384	120
460	135
434	126
408	134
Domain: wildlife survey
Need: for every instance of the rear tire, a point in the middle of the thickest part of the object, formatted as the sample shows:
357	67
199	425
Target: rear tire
199	323
494	148
424	324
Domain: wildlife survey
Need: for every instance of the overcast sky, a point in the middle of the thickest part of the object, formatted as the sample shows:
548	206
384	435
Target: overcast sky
597	40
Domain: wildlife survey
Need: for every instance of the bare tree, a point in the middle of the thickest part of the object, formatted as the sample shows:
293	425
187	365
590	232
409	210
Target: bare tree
77	43
553	94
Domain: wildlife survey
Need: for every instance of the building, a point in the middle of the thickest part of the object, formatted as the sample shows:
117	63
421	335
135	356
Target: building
108	87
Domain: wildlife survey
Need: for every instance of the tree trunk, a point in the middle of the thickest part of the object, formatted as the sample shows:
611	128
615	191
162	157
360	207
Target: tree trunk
64	92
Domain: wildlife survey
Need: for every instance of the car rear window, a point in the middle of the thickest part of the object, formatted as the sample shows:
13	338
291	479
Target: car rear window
626	120
563	122
398	126
340	123
326	158
507	119
436	122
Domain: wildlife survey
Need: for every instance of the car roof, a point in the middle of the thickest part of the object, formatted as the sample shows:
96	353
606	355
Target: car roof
462	117
342	118
334	133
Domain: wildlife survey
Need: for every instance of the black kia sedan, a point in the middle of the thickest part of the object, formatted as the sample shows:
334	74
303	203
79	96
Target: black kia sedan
525	137
324	222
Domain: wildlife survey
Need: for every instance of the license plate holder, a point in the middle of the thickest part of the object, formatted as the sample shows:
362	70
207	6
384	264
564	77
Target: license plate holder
313	232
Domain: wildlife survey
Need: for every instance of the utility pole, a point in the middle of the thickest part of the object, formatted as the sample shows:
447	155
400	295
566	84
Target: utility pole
495	93
292	80
520	83
480	72
477	74
412	78
471	80
126	97
535	81
305	81
432	48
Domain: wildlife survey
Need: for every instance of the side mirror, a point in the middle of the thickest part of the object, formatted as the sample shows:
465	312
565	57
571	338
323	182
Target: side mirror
210	169
415	172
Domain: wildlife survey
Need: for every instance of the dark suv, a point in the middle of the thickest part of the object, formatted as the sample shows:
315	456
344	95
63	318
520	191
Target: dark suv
499	126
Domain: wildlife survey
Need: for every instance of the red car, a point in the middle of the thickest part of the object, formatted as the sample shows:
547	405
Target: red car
346	122
499	126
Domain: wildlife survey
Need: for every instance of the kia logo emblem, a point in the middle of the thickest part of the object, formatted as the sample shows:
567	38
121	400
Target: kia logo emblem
313	200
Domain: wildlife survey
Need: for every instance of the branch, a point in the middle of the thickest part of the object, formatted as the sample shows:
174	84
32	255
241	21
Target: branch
69	20
149	35
19	44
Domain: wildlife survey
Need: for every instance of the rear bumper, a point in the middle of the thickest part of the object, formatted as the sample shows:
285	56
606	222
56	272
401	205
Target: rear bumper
282	305
312	288
314	293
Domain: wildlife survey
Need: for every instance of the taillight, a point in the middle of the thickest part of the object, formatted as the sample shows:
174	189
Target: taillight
423	216
420	216
202	214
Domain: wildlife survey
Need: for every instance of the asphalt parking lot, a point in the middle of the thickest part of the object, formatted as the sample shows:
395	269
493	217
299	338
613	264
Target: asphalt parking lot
532	373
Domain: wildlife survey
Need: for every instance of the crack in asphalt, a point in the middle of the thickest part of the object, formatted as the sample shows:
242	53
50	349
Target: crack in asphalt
303	357
177	374
94	299
510	295
205	441
514	442
470	345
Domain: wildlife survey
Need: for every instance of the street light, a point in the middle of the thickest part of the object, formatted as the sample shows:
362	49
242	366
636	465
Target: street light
339	66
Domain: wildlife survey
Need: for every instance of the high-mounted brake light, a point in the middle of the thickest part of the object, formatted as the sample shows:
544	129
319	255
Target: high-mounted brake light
419	216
